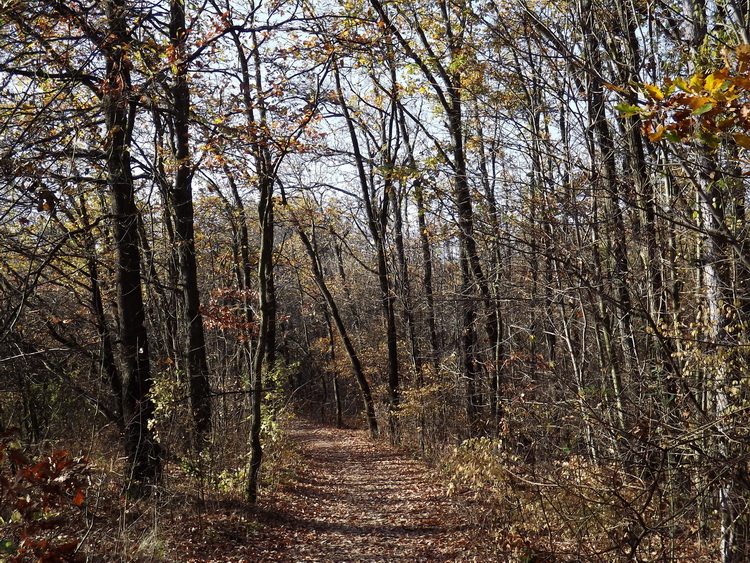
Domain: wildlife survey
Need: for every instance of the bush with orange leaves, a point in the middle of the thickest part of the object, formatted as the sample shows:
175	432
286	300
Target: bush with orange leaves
41	502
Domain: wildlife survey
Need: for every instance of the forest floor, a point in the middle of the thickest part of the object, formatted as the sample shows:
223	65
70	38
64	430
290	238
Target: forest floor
349	500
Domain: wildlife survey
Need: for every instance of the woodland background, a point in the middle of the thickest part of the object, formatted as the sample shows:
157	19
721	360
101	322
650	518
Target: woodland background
512	236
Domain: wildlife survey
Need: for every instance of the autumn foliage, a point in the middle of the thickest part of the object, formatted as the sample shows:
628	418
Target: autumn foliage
707	108
42	502
509	238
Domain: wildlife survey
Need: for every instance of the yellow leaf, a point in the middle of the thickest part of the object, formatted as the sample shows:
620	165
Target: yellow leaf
654	91
682	85
657	135
710	83
696	82
715	81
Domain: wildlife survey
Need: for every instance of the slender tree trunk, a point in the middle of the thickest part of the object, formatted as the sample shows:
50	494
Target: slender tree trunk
243	269
181	196
107	362
265	273
446	84
359	375
377	218
496	265
169	301
404	287
332	360
265	170
425	246
604	176
714	198
471	269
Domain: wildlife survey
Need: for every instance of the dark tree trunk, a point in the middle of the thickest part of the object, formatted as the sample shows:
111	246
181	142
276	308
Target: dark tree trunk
377	219
265	344
181	196
143	452
471	269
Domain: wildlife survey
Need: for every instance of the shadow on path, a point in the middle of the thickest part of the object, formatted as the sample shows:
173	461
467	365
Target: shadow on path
356	501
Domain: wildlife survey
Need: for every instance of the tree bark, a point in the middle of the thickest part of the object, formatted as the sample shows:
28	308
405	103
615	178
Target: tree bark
181	196
143	452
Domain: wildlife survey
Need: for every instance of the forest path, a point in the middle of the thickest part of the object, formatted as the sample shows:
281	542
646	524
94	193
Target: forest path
354	500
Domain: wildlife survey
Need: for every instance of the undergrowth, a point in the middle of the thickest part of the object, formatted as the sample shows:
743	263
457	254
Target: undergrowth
41	503
568	509
62	507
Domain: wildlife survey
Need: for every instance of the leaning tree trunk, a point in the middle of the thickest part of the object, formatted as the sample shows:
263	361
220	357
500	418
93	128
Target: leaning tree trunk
377	218
359	375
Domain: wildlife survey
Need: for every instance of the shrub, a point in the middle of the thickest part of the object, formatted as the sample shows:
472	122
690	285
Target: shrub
40	503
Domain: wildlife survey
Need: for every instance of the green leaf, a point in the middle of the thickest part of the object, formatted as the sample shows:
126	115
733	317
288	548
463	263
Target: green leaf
708	139
626	110
705	108
6	546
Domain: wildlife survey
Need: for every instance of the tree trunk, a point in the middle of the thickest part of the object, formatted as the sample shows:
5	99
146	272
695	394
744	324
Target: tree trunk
332	360
359	375
377	218
107	359
143	451
265	274
181	196
604	176
424	240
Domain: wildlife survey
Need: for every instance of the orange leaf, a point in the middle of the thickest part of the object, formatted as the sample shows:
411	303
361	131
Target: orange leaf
611	86
742	52
698	102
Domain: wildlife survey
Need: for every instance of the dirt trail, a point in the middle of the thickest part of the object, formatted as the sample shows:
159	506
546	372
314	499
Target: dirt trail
355	501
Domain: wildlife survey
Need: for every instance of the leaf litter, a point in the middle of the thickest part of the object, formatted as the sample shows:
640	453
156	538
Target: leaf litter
342	499
352	501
